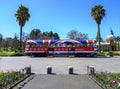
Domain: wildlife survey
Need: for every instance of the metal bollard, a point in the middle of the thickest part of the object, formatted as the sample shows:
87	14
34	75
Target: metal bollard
111	54
70	68
49	70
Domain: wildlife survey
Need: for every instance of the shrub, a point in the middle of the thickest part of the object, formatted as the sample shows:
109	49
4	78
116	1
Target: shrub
4	53
100	54
106	53
116	53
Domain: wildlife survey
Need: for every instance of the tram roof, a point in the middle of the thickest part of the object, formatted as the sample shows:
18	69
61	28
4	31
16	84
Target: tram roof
61	41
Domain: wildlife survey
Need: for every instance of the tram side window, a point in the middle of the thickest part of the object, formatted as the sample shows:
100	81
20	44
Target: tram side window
84	45
38	44
58	45
94	44
33	45
52	45
45	45
80	44
90	45
28	44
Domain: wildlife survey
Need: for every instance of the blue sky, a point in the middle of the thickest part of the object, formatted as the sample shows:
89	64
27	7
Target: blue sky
60	16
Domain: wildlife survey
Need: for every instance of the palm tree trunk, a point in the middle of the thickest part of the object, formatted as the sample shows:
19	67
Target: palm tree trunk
20	38
118	45
99	38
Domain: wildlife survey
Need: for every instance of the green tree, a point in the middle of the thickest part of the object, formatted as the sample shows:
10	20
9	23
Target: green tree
56	36
15	42
35	34
50	35
98	12
45	35
22	15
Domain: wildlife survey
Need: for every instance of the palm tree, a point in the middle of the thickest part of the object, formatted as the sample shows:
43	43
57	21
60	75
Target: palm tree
98	12
22	15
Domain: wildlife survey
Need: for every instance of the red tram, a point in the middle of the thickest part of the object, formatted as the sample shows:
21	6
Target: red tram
61	47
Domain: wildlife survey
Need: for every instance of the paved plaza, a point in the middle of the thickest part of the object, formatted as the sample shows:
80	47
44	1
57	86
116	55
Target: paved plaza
61	79
60	64
61	82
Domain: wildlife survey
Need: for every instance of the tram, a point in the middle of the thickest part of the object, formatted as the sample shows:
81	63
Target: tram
61	47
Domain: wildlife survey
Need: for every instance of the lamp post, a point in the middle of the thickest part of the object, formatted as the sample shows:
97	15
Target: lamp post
118	40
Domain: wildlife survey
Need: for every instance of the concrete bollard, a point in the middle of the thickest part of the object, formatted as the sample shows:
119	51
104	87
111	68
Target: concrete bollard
90	69
28	70
70	69
49	70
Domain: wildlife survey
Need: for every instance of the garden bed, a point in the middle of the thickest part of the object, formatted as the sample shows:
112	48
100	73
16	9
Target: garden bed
105	79
8	80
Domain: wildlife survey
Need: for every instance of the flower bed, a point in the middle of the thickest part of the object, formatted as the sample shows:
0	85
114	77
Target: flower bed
106	80
10	79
